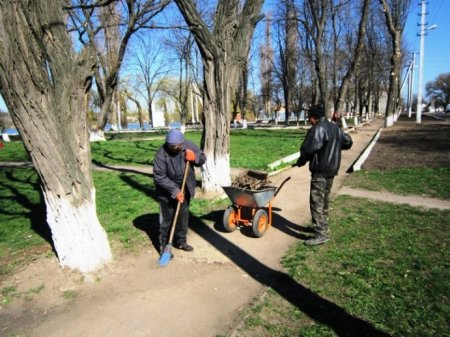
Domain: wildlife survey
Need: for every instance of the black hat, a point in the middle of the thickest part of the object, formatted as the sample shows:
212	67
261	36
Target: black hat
317	111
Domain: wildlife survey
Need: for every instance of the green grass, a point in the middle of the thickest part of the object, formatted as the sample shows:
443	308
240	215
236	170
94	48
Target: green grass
21	217
256	149
69	294
249	148
8	293
431	182
125	206
388	265
14	151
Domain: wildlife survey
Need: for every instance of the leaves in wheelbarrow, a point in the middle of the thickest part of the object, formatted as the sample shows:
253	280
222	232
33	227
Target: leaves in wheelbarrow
252	180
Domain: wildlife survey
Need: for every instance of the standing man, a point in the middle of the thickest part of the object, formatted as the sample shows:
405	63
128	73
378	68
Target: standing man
322	148
168	168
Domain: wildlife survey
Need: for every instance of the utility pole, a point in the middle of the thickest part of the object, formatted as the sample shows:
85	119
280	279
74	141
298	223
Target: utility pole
423	32
422	48
411	85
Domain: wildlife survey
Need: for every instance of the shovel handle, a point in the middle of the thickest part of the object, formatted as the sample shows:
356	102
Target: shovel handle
175	217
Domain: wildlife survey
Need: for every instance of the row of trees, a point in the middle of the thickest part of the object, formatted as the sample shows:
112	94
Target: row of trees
55	52
439	90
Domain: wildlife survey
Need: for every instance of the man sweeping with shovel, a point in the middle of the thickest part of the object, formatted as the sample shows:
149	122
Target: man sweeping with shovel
174	177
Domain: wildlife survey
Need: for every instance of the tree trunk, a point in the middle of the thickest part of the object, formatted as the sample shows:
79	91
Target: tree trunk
223	51
356	57
315	26
44	82
395	14
393	81
216	134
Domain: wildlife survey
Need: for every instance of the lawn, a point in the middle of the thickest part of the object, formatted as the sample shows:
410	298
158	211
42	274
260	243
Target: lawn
428	182
125	203
125	207
386	265
249	148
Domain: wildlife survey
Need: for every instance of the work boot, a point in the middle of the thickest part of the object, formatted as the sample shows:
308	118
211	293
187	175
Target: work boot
317	240
185	247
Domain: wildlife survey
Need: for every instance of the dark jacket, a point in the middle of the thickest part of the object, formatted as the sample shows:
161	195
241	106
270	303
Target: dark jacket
322	148
168	169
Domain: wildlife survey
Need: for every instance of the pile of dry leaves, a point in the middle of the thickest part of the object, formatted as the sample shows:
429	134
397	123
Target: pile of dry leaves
252	180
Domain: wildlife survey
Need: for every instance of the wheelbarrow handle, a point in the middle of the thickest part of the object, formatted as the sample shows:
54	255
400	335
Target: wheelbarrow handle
279	187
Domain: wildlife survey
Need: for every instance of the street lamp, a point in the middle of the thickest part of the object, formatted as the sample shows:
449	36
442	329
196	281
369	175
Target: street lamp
423	30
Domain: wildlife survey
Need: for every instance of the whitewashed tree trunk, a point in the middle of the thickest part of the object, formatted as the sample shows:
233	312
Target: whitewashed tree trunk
223	49
44	82
77	235
344	123
216	173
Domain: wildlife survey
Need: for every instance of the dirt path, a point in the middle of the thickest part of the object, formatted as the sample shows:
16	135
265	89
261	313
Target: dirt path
198	294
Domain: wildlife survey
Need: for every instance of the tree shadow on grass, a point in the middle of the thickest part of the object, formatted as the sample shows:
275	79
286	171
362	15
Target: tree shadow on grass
121	169
316	307
149	223
20	184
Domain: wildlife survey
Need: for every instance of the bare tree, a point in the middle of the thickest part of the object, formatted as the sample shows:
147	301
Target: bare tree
121	20
132	98
266	68
374	65
354	63
439	89
151	70
316	14
183	48
223	50
43	81
395	13
287	37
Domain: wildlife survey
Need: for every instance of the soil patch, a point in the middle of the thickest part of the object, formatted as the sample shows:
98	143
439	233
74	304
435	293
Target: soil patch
408	145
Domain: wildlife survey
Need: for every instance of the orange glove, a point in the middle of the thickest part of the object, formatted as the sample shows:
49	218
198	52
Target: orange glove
190	155
180	197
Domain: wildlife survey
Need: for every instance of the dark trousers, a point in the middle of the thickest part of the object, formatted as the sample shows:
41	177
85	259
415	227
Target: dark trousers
319	198
166	214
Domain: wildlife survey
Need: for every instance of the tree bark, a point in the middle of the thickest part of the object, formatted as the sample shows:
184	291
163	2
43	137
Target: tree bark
44	82
356	57
395	14
315	23
223	50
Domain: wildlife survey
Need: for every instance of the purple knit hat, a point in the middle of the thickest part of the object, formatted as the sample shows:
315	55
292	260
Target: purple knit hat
174	137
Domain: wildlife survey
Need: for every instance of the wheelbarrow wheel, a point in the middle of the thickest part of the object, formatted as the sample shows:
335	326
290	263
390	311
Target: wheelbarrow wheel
260	223
229	217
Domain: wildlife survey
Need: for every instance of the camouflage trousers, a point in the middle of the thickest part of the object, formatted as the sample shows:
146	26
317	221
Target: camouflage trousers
319	203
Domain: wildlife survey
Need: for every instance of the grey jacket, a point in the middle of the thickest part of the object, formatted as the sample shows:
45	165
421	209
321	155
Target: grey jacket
168	169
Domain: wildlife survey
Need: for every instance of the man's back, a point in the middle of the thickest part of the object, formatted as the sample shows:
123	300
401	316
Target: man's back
322	147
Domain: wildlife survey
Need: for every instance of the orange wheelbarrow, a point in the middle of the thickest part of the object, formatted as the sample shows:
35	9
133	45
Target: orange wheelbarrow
249	209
